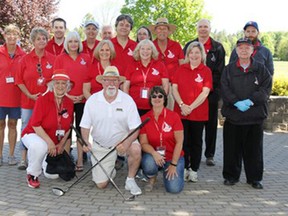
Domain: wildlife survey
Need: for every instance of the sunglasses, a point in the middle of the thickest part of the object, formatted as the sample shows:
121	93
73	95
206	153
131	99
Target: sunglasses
39	69
157	96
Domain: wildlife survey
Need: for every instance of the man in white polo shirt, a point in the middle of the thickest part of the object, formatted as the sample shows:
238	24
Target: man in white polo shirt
112	114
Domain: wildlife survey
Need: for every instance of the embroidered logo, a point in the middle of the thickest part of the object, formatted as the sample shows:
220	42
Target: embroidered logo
82	62
65	115
199	78
256	81
213	58
130	52
170	54
48	65
166	128
155	72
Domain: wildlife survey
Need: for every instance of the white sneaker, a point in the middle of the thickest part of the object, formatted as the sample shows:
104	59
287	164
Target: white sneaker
193	177
131	185
186	174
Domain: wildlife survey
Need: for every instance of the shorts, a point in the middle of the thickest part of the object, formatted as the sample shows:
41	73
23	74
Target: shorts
12	112
98	176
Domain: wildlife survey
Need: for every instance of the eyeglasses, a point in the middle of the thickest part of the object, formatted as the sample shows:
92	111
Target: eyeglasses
114	81
157	96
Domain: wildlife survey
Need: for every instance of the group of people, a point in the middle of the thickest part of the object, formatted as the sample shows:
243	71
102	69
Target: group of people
110	86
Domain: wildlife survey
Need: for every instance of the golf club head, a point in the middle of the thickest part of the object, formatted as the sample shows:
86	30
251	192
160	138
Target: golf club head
58	191
129	199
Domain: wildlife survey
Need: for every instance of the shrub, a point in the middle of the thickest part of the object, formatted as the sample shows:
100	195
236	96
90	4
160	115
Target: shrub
280	87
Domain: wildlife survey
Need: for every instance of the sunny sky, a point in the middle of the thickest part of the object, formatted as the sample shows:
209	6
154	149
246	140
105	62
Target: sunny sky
228	15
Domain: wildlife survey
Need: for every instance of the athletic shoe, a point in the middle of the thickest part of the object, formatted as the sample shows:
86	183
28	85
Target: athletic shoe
210	161
131	185
33	181
193	177
12	160
186	174
23	165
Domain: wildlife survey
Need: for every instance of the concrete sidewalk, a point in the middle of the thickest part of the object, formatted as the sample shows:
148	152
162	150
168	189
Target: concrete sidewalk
206	197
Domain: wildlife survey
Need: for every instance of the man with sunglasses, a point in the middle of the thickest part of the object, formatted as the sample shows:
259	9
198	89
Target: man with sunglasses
112	114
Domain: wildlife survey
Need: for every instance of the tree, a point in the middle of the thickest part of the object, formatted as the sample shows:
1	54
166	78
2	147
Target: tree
27	14
282	49
183	13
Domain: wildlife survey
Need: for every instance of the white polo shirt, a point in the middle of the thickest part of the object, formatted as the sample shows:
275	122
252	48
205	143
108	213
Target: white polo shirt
110	122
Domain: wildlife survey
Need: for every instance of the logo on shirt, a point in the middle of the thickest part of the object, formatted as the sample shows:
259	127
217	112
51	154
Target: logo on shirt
256	81
82	62
65	115
48	65
166	128
130	52
170	54
155	72
199	78
213	58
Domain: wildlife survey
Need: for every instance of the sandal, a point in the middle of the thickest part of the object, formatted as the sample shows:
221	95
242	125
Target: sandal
79	168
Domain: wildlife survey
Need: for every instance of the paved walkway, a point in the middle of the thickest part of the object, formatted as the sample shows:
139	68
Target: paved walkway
206	197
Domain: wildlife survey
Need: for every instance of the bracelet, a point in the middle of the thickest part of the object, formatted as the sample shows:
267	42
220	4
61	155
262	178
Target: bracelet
172	164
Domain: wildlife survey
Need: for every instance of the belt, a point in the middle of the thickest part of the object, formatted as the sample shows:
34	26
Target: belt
106	147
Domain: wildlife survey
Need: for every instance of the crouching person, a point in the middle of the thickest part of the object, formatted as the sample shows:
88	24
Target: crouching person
112	114
161	140
49	127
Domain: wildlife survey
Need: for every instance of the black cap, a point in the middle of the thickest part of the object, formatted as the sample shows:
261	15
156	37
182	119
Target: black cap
251	23
244	41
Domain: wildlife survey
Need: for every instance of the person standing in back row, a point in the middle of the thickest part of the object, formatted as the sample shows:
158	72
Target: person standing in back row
170	51
55	46
260	53
215	60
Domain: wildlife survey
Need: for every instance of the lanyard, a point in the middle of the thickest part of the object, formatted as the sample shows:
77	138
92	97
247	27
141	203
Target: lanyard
99	68
54	50
157	127
145	74
59	113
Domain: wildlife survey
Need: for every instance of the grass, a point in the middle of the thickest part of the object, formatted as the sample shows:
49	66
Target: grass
281	70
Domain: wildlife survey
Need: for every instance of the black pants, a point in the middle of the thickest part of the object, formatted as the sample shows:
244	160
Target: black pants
78	112
243	142
192	145
211	125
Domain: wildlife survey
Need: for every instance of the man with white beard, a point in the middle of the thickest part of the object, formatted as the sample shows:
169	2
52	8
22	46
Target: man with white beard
112	114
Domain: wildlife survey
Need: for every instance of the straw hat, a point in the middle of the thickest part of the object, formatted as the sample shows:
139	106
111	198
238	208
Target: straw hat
162	22
110	71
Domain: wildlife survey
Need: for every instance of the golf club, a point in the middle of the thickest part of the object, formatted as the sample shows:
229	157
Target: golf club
60	192
83	143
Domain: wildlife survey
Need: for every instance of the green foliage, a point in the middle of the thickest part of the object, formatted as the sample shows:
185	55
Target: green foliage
283	49
183	13
280	87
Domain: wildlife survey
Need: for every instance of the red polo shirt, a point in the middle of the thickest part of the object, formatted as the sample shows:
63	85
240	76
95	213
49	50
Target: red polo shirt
76	69
45	114
171	56
167	124
88	50
124	56
136	73
190	84
54	48
27	74
10	94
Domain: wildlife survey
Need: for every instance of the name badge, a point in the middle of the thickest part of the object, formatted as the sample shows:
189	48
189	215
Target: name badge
144	92
10	79
60	133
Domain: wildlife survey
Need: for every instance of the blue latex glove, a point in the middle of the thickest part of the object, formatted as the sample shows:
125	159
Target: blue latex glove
241	106
248	102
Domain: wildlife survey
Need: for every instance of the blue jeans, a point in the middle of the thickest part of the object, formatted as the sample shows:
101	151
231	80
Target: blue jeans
150	168
25	117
